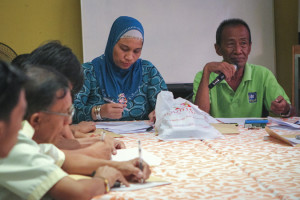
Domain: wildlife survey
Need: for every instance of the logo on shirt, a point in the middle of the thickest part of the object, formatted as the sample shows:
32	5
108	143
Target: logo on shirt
252	97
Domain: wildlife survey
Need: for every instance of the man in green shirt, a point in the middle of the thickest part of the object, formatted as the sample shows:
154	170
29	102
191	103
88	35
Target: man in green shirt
247	88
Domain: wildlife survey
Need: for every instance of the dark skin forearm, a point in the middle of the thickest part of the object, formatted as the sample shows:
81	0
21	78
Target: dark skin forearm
202	96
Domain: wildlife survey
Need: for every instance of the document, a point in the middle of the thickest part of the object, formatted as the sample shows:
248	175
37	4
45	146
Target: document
226	129
131	153
281	122
125	127
151	182
286	134
239	121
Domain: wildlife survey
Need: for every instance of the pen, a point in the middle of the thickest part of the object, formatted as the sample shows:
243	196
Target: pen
149	129
117	184
140	158
111	101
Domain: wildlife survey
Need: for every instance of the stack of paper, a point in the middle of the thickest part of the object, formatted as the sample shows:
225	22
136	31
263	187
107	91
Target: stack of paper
286	131
124	127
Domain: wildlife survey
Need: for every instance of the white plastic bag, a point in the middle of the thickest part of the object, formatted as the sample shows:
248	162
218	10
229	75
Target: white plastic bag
179	119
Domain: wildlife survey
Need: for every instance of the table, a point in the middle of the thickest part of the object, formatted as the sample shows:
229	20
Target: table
243	166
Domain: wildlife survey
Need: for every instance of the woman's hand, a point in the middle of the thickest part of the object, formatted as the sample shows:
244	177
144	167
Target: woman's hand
152	117
112	110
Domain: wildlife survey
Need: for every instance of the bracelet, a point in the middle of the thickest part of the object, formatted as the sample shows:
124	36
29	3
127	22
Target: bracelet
288	114
106	183
102	136
97	112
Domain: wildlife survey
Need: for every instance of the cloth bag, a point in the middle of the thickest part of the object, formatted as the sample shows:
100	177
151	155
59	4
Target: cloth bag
179	119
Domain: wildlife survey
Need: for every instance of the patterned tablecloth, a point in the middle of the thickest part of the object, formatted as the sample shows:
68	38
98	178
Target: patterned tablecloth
244	166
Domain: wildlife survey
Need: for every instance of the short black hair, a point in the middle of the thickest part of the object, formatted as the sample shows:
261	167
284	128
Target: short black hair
20	60
61	58
12	81
231	22
41	89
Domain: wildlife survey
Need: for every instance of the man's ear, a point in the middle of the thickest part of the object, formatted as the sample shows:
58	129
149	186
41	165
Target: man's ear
218	50
2	128
34	120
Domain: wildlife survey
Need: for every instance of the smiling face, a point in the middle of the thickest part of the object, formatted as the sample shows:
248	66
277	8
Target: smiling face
49	125
235	46
10	129
126	52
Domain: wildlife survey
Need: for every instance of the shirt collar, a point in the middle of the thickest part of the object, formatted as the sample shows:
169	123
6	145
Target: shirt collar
27	129
247	73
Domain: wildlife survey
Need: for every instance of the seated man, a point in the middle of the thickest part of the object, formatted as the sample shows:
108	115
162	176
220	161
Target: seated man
62	59
50	111
25	173
248	88
13	106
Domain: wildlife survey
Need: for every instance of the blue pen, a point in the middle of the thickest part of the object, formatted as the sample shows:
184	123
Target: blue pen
111	101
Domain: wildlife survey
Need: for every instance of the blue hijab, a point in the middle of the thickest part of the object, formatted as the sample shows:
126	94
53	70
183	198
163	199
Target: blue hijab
111	78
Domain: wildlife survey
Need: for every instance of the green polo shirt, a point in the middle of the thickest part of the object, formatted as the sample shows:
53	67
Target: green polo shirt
258	87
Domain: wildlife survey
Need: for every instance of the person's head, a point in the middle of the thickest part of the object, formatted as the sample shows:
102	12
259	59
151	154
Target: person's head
19	60
60	58
233	41
49	103
12	106
125	42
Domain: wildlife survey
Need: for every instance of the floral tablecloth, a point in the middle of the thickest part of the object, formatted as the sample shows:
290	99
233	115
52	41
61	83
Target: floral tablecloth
248	165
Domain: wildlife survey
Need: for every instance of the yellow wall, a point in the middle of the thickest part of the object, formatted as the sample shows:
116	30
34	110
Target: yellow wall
26	24
286	35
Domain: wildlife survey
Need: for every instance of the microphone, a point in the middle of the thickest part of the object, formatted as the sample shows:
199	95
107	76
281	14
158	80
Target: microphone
218	79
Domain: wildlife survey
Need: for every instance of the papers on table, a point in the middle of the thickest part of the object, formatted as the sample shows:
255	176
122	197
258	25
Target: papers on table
285	131
226	129
239	121
124	127
285	134
151	182
281	122
131	153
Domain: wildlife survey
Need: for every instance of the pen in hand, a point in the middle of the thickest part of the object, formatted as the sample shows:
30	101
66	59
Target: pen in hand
140	158
111	101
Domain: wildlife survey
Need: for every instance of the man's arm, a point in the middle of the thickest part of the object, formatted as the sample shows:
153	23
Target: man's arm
85	165
68	188
202	95
281	107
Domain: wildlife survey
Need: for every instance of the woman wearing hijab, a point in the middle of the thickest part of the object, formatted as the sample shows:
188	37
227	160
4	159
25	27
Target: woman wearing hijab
118	84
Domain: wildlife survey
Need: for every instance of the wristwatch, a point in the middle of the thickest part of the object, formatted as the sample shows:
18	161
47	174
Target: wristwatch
287	114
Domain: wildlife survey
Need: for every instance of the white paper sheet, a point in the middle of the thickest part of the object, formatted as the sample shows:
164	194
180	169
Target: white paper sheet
124	127
131	153
239	121
138	186
281	122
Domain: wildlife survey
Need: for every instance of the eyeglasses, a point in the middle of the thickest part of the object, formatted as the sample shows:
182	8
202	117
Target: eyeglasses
69	114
